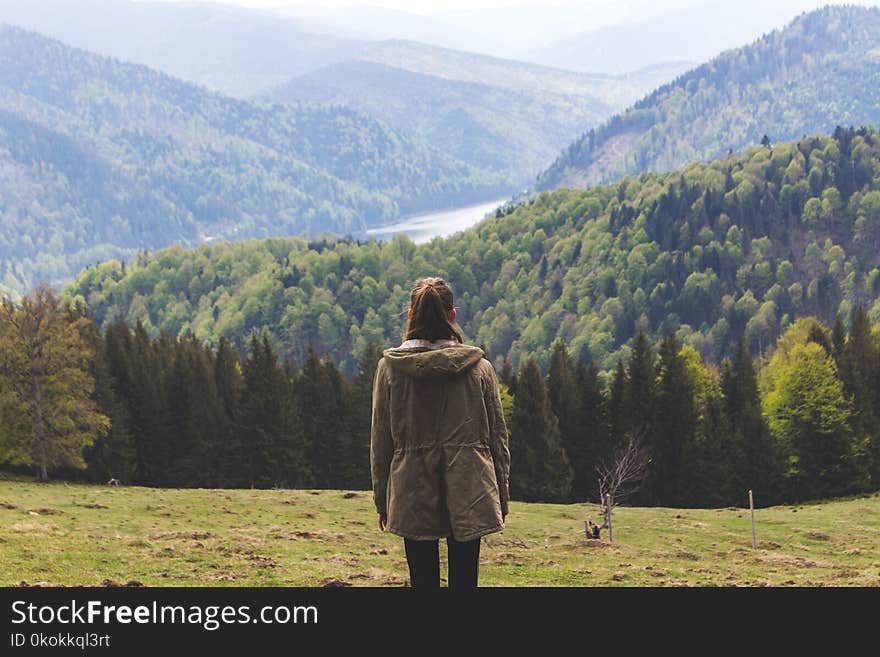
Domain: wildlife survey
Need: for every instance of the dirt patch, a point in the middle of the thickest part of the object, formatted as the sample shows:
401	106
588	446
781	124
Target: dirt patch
8	505
618	577
114	583
382	551
195	536
305	534
261	561
768	545
588	543
818	536
688	556
505	542
341	560
334	582
795	562
34	527
220	577
505	559
45	512
91	505
350	496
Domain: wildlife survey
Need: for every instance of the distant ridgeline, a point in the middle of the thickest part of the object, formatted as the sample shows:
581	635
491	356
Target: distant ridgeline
737	247
822	69
99	158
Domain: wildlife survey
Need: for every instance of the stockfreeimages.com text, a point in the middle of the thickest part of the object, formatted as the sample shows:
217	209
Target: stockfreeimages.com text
211	617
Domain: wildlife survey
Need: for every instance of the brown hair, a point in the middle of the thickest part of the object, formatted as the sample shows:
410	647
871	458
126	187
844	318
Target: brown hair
431	304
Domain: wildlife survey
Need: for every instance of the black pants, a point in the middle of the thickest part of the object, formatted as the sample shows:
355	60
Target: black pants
423	558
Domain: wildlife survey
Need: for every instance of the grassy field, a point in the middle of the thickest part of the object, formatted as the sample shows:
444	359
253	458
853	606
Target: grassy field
60	534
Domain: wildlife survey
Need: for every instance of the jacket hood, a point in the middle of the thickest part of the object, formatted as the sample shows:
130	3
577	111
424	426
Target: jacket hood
433	363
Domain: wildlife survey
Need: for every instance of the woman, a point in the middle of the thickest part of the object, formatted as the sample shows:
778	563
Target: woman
439	449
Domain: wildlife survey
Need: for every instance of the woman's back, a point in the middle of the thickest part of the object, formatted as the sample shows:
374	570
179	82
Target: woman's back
439	429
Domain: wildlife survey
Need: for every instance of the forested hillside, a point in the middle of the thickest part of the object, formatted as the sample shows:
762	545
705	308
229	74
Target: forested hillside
99	158
494	114
737	247
821	70
490	127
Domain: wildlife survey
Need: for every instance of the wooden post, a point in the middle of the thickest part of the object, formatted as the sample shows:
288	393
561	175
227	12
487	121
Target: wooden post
752	509
608	517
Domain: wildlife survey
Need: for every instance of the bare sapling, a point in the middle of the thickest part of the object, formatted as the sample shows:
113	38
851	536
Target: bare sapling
619	477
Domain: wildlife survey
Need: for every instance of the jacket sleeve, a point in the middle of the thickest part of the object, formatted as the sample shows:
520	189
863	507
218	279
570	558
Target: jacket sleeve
498	438
381	445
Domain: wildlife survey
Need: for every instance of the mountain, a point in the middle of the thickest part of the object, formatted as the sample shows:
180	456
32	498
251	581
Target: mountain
99	158
821	70
740	246
499	115
695	33
237	51
511	31
373	23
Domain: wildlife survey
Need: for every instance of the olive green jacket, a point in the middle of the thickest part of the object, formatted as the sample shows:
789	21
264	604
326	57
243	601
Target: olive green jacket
439	447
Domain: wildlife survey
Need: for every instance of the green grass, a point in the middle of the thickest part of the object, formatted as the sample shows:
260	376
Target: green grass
67	534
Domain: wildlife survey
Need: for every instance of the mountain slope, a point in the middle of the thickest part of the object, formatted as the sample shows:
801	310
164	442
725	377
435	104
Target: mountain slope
695	33
822	69
490	127
230	49
512	74
501	115
98	158
737	247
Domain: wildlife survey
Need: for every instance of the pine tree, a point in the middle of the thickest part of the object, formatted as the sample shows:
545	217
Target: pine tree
360	410
674	426
594	439
540	470
750	451
113	454
146	406
261	426
229	384
331	446
859	369
617	419
563	395
640	380
637	412
838	340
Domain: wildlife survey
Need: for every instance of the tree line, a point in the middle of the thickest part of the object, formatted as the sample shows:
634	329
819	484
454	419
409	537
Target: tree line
799	423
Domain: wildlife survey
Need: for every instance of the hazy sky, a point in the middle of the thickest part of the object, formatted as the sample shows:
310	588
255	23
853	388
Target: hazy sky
414	7
433	6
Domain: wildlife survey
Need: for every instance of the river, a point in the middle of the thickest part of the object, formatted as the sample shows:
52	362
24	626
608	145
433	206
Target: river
424	227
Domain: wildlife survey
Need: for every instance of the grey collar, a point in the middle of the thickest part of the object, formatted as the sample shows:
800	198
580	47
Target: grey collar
418	343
